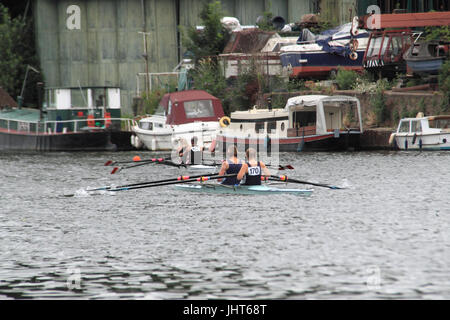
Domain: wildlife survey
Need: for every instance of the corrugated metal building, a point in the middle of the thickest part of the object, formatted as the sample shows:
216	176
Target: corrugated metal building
100	42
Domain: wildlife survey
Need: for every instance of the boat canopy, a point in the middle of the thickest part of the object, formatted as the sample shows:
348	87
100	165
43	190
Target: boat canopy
191	106
316	102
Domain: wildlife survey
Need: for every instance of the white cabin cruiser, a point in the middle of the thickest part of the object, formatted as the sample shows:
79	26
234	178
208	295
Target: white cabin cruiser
180	116
423	133
306	123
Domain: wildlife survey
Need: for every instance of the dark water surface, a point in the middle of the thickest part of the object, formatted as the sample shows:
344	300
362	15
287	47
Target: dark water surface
386	236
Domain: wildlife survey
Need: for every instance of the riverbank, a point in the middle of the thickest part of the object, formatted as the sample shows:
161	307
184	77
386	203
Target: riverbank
376	139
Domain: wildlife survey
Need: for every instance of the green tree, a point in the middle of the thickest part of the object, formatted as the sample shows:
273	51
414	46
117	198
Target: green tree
437	33
208	76
17	50
212	39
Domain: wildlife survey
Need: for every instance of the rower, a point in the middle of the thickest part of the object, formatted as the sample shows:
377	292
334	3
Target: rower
230	166
183	150
196	152
252	169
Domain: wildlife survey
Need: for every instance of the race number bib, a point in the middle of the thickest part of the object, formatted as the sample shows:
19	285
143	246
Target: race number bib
254	171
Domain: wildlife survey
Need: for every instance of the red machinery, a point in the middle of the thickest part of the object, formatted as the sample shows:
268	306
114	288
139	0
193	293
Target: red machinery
386	46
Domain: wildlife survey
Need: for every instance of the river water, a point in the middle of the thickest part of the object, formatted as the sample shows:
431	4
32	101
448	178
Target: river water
385	236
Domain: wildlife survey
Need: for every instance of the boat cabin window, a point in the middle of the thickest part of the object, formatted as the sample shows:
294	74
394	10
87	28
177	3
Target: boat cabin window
78	98
304	119
416	126
99	97
199	109
439	123
404	126
146	125
259	126
271	125
395	46
50	99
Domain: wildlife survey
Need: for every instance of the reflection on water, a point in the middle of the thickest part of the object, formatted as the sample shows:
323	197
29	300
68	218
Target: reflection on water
383	237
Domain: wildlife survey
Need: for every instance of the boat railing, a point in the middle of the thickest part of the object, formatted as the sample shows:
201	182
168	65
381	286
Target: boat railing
65	126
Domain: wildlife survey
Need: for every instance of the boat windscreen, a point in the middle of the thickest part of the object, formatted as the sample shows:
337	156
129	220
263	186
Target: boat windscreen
146	125
199	109
374	48
404	126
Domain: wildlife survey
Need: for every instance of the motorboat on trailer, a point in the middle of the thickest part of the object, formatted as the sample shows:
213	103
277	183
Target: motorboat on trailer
217	188
306	123
319	55
423	133
180	116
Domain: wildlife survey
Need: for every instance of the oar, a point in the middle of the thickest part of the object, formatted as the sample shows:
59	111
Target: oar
179	178
286	179
136	159
280	167
159	161
201	179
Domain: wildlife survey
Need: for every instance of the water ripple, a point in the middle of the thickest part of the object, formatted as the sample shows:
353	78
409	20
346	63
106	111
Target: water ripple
385	236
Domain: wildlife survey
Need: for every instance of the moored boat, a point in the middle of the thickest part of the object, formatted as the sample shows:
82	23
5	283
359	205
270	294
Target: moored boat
180	116
70	119
217	188
307	123
423	133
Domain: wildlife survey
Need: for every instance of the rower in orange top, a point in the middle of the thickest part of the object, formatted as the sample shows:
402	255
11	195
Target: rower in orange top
231	166
252	169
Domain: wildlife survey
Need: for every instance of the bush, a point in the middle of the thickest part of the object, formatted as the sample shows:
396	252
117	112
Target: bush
151	101
437	33
444	86
346	79
379	101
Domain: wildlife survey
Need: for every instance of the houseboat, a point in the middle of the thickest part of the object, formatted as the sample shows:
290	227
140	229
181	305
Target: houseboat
68	119
306	123
422	133
318	56
179	117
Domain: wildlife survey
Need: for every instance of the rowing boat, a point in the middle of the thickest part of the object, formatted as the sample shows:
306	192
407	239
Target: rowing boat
240	189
